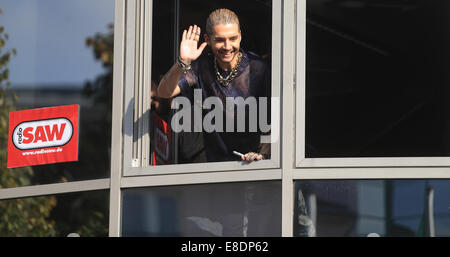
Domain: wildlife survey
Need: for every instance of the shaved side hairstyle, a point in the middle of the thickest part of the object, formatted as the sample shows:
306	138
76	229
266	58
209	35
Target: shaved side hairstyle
221	16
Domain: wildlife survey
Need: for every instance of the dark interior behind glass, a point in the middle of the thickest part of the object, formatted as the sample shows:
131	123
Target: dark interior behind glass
377	78
169	20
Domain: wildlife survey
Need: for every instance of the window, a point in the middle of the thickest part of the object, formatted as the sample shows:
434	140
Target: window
63	56
365	99
375	88
230	209
151	143
405	208
60	54
370	104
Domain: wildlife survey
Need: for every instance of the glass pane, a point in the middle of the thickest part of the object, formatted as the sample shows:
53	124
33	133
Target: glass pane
377	87
233	209
80	214
341	208
216	132
63	56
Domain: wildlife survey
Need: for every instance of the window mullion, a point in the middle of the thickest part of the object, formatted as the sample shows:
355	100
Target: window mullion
288	115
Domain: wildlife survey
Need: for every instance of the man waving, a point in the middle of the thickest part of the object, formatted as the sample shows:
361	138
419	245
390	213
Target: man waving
225	71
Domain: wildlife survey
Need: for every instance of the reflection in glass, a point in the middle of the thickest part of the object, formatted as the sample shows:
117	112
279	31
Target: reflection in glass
233	209
64	56
199	144
390	208
377	87
85	214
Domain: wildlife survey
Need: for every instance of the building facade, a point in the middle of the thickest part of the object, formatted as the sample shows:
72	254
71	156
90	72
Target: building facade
358	125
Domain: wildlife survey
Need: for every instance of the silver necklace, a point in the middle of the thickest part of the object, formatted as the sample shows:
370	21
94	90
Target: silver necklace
227	80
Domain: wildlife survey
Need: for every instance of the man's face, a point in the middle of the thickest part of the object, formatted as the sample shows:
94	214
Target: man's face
225	42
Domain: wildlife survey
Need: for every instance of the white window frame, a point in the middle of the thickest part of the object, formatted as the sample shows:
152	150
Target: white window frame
137	91
433	167
123	173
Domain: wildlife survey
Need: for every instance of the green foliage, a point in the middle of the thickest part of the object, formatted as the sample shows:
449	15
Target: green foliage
102	45
103	49
27	217
18	217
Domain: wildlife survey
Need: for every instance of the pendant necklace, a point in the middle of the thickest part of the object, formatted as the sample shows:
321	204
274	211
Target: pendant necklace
227	80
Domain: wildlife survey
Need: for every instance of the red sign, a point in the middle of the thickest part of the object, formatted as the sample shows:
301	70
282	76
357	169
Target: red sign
161	142
42	136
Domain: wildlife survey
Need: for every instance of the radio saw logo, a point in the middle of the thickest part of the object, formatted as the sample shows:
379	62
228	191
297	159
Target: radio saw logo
44	135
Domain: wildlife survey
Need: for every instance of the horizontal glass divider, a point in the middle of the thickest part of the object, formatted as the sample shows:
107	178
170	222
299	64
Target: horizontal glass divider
201	178
372	173
56	188
200	168
374	162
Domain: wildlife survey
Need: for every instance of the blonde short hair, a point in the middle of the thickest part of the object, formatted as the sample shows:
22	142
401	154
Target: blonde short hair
221	16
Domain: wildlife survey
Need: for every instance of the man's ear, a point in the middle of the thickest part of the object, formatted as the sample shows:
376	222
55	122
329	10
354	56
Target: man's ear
205	36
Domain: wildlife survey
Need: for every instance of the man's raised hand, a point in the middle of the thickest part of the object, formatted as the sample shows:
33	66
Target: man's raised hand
189	43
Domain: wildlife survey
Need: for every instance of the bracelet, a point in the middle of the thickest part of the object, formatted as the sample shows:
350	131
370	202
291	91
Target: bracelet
185	67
